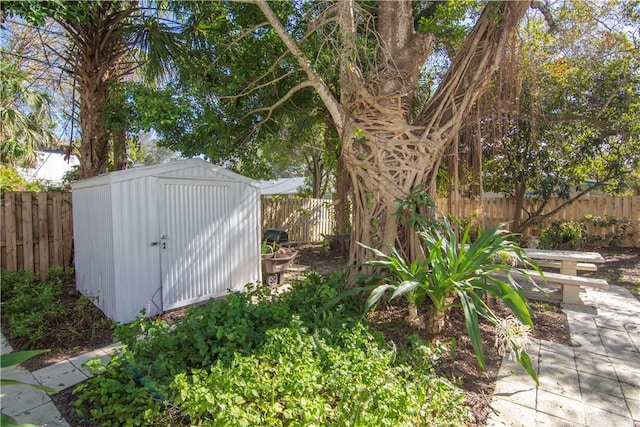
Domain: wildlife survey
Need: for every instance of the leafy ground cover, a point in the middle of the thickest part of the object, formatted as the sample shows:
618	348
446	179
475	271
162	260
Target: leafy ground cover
50	315
623	267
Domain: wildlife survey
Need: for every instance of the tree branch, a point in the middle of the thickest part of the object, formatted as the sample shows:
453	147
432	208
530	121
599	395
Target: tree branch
333	106
546	13
472	66
279	102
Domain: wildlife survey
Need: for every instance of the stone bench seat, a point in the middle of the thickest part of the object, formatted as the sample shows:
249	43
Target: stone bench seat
570	284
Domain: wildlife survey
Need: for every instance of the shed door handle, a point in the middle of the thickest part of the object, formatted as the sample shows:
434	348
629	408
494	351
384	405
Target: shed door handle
154	243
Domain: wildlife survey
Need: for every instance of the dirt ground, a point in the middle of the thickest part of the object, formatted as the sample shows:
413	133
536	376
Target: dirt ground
622	267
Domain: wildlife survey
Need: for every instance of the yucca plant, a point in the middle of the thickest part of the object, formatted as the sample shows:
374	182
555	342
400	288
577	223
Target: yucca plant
459	274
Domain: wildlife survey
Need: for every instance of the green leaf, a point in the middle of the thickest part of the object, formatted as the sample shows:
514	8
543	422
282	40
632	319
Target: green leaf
376	294
525	361
473	328
404	287
18	357
7	421
5	382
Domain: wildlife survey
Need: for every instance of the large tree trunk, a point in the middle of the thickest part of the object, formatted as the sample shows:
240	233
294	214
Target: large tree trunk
385	154
94	148
120	158
99	44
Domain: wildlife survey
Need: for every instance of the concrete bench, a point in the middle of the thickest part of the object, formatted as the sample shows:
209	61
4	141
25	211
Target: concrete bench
581	266
570	284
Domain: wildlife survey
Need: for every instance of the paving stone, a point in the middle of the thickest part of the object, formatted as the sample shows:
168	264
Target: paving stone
548	358
563	407
581	325
512	414
111	348
60	375
524	394
559	380
595	384
513	372
17	373
596	364
80	361
609	323
605	401
634	408
5	347
554	347
631	390
626	354
543	419
20	398
596	417
588	343
43	415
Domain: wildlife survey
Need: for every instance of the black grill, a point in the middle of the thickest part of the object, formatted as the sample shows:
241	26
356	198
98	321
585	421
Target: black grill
273	235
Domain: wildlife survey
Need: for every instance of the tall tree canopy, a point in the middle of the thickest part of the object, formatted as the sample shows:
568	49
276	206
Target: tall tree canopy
564	107
106	42
364	62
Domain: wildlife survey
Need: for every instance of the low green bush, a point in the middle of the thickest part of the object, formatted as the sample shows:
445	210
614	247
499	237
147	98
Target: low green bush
37	313
263	359
459	273
590	231
616	230
30	306
562	235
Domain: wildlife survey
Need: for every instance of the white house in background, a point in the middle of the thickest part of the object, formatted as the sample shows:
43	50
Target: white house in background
281	186
50	166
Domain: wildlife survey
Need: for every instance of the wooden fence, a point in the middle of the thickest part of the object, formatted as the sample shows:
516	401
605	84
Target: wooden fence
306	220
36	231
493	211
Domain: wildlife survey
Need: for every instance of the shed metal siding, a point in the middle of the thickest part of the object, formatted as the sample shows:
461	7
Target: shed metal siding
195	263
245	235
211	217
93	247
135	217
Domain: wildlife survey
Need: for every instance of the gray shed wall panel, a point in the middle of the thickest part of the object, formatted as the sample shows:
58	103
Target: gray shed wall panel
213	245
195	264
245	235
93	247
135	217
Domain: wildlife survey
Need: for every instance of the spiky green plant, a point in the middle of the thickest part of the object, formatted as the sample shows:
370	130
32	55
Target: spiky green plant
459	273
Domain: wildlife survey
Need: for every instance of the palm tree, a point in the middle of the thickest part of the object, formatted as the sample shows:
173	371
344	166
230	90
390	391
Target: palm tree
25	118
109	41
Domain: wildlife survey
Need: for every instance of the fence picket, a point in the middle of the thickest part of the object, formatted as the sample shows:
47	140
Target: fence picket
43	235
57	228
11	233
28	263
36	230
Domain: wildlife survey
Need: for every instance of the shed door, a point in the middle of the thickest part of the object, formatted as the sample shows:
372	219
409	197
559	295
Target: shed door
194	242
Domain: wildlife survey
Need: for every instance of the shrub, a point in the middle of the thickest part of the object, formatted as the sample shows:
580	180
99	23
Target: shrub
562	235
264	359
617	225
31	306
35	312
458	274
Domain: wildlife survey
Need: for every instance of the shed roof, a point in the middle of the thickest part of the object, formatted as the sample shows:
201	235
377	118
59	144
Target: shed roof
163	169
281	186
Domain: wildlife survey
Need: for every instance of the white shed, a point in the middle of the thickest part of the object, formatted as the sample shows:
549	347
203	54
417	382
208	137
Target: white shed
165	236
